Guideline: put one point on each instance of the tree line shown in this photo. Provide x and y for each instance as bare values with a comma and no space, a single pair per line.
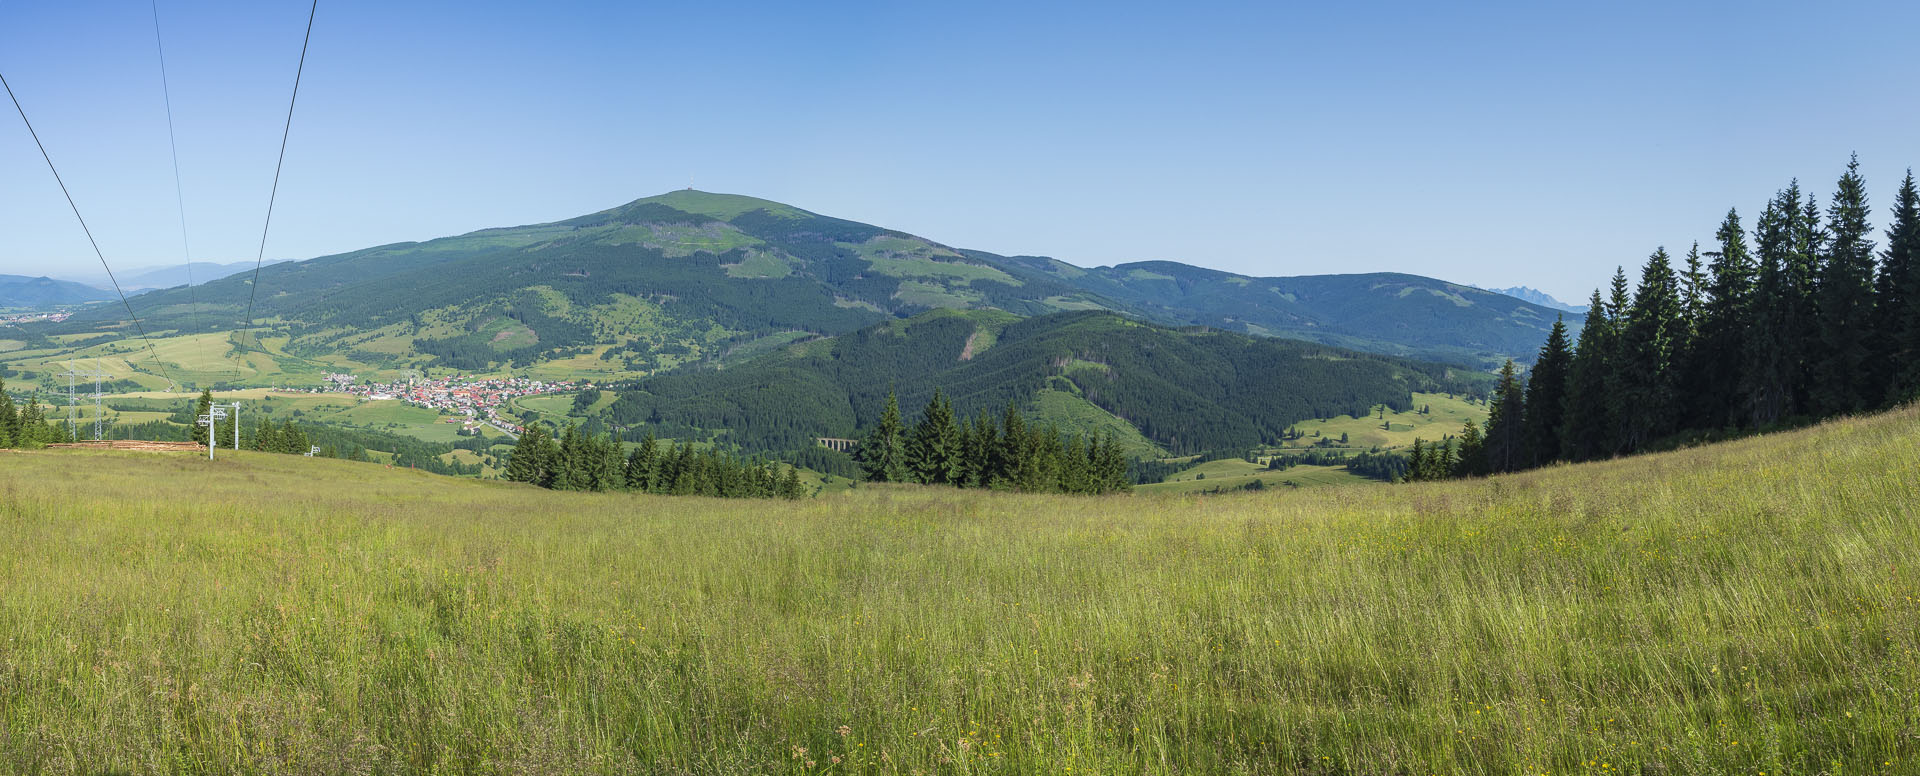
1011,454
28,426
1807,321
596,462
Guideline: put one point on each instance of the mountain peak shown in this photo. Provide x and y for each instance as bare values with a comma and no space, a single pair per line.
714,205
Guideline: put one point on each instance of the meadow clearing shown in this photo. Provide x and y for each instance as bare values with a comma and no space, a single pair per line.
1745,608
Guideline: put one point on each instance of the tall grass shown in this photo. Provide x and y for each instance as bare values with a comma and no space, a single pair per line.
1745,608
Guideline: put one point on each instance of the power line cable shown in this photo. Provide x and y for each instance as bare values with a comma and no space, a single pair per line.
179,195
275,193
151,353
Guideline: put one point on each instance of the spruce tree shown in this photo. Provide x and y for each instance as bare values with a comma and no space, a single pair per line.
1587,428
1845,302
641,463
1899,304
1769,377
202,408
883,454
1718,360
790,487
1506,436
9,417
1473,452
933,449
529,460
1417,461
978,452
1650,340
1546,400
1809,241
1618,382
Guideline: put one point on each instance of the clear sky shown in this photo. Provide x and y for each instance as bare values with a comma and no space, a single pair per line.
1525,143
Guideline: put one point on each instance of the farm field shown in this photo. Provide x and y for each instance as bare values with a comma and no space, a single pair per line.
1752,606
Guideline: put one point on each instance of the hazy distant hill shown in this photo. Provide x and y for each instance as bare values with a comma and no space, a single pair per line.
1541,298
29,292
691,276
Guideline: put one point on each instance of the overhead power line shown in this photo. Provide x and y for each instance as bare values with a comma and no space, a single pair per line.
284,132
179,194
142,329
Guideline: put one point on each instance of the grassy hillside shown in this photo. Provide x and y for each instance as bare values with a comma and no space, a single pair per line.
1738,609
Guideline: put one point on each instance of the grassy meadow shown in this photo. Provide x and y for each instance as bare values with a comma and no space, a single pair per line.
1747,608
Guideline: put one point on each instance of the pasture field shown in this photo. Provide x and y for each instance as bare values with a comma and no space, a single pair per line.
1447,415
1743,608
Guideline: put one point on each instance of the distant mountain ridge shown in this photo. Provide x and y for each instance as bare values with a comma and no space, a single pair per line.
37,292
1541,298
169,276
696,277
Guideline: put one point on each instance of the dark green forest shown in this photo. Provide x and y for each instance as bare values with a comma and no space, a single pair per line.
1804,317
1188,390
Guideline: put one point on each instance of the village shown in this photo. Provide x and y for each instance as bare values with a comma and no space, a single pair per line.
33,317
473,401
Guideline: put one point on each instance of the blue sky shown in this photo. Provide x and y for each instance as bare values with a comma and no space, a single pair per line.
1526,143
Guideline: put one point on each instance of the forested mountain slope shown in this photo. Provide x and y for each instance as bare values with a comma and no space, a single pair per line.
1185,390
1382,312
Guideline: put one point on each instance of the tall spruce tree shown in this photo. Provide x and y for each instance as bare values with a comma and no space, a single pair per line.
1650,341
532,456
1718,359
1842,363
1620,408
934,452
1588,426
883,454
1546,402
1899,304
1809,245
1506,436
1769,377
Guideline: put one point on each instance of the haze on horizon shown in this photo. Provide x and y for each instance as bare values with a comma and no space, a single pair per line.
1505,144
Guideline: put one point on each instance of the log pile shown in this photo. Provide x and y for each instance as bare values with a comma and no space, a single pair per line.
137,445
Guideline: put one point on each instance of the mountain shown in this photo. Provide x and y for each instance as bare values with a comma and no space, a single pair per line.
695,277
1390,313
1180,390
20,291
178,275
1541,298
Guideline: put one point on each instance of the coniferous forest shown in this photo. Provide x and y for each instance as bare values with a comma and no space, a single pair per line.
1804,317
1010,453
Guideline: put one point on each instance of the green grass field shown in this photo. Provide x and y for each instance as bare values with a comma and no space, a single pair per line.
1447,415
1747,608
1231,473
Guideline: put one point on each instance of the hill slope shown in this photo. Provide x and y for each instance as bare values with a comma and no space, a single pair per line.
1185,390
1731,609
20,291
